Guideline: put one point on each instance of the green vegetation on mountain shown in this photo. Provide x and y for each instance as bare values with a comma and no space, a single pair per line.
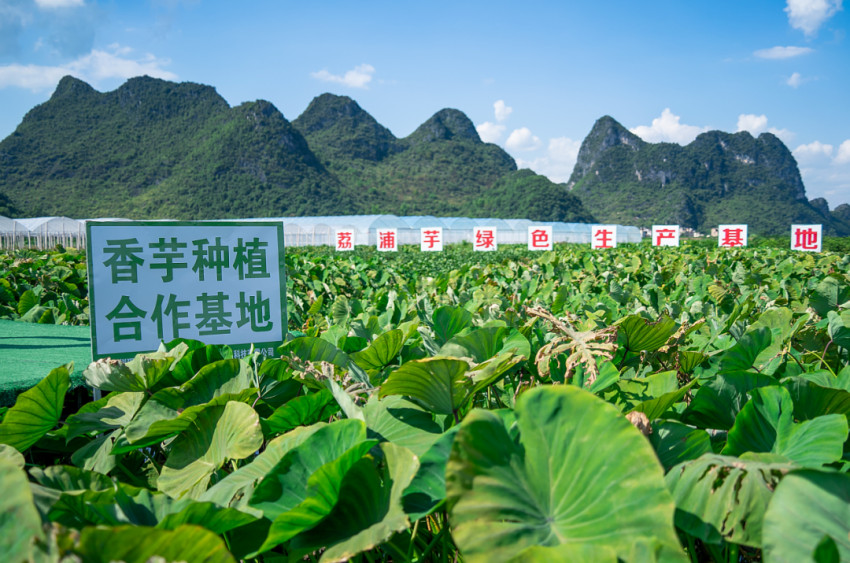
153,149
157,149
718,178
442,168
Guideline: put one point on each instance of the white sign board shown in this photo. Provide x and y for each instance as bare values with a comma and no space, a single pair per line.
807,238
603,236
665,235
387,240
730,236
154,281
431,239
484,238
539,238
344,240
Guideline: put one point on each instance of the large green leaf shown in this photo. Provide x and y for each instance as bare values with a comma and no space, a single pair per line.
813,399
724,498
20,524
117,412
754,349
402,422
304,485
139,374
312,349
807,506
719,401
237,487
766,424
27,301
301,411
449,321
440,383
382,352
369,510
218,433
428,488
553,487
828,295
37,410
675,442
482,344
139,544
171,410
643,335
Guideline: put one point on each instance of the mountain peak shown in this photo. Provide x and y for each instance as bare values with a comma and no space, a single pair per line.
606,133
71,86
341,127
447,124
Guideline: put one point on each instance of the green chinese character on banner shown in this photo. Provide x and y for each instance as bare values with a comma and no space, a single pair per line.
171,309
169,264
124,263
215,256
213,316
127,330
255,310
253,256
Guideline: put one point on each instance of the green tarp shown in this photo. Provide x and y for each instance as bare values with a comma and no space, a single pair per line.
29,351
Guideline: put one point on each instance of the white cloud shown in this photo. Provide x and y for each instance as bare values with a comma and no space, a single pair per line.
358,77
522,140
783,52
56,4
813,152
558,162
502,111
825,171
668,128
757,124
809,15
794,80
843,156
31,77
95,66
490,132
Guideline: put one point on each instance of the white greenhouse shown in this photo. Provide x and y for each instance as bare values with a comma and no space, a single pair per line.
46,232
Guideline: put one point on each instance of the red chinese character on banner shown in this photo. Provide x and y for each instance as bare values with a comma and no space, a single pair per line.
807,237
343,240
484,238
539,238
430,238
386,240
603,238
662,234
732,237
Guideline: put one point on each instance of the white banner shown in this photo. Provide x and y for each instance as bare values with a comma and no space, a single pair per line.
431,239
807,238
665,235
539,238
484,238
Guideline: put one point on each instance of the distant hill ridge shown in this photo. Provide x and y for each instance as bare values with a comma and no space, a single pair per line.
718,178
156,149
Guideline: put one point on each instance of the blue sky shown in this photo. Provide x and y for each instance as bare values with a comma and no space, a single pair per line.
533,76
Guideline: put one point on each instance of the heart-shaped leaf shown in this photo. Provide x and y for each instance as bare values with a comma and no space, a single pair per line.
766,424
553,485
37,410
808,506
218,433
